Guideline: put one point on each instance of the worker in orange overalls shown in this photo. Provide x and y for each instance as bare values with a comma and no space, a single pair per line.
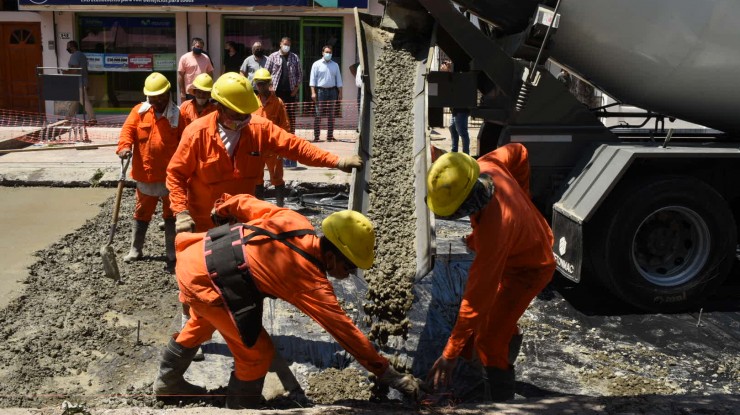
201,105
151,134
274,110
513,258
279,255
225,152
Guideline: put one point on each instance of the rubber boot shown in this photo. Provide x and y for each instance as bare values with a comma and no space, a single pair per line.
515,344
280,195
501,383
138,235
199,356
169,239
259,192
175,361
244,394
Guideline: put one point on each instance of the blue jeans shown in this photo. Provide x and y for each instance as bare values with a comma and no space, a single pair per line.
459,129
326,102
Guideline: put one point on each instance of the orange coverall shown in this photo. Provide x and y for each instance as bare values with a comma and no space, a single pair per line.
188,113
513,261
274,110
277,271
153,142
201,169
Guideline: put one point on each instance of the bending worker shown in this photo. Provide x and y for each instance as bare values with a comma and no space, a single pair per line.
225,152
151,133
201,105
513,257
274,110
279,255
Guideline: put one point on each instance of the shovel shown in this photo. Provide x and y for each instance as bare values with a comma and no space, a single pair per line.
106,251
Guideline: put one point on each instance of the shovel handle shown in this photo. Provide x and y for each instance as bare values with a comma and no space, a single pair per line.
119,192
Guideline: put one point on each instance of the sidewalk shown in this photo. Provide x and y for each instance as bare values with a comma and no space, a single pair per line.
101,167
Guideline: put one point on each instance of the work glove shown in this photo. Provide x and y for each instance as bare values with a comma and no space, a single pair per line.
406,384
124,154
184,222
346,164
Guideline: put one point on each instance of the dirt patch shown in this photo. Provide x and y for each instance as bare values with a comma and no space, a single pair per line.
333,385
391,207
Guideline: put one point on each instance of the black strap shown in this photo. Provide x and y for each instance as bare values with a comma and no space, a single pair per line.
282,238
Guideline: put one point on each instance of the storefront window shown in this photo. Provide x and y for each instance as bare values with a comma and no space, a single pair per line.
122,51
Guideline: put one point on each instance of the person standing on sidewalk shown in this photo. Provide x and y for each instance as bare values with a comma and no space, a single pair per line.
232,58
274,110
287,76
459,121
150,135
326,92
78,65
278,254
191,65
255,61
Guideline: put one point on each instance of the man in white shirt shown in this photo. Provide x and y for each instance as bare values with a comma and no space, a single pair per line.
326,92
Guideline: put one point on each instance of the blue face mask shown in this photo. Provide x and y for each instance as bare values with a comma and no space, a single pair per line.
327,57
197,51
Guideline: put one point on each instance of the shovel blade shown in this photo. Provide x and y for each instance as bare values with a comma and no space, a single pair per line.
110,266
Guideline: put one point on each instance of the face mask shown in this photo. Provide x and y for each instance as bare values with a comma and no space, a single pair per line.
201,101
69,50
236,125
197,51
258,53
285,48
327,57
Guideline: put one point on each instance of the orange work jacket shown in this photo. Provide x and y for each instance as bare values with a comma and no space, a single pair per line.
188,113
201,169
278,271
273,109
510,238
153,142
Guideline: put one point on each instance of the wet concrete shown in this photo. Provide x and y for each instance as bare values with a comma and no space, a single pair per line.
32,219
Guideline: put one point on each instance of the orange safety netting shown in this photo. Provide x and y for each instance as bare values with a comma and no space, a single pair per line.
39,128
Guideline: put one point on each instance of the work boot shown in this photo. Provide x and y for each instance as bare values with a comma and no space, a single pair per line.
175,361
244,394
137,241
501,383
259,192
280,195
169,239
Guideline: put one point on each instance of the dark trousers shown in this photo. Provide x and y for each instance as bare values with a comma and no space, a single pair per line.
290,106
326,103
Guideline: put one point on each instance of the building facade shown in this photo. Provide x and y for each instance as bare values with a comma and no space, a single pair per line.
125,40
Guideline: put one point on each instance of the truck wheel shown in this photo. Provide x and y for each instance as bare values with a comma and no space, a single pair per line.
666,244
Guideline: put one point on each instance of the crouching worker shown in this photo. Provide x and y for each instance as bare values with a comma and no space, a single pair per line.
278,254
513,258
151,134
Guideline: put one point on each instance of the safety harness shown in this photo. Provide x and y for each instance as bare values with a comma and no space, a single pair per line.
231,277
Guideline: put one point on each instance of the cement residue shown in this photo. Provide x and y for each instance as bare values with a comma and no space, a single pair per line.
391,205
333,385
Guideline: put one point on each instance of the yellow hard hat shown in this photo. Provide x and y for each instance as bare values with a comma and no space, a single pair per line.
204,82
449,182
262,74
156,84
353,234
236,93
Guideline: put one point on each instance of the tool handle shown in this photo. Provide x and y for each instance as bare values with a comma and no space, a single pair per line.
117,204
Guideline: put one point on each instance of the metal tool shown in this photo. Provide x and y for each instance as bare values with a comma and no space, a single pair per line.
107,254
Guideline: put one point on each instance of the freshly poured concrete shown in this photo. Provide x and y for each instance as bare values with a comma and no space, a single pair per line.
33,218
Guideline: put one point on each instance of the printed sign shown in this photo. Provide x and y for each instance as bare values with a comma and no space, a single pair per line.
95,61
165,62
140,61
115,61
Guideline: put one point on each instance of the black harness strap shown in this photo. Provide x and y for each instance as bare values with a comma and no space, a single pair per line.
230,274
282,238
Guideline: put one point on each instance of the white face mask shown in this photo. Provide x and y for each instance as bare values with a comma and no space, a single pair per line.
201,101
285,48
236,125
327,57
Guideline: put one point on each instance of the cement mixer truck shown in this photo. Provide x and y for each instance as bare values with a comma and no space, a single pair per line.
649,213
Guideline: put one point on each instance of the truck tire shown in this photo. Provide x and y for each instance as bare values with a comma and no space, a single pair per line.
664,244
